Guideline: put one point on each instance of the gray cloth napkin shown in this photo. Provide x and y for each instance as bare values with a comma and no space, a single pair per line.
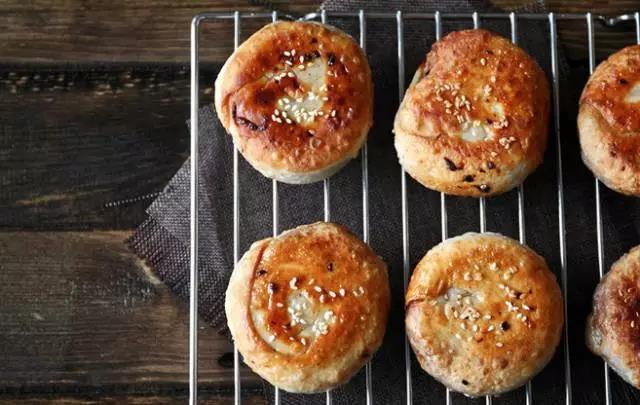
163,239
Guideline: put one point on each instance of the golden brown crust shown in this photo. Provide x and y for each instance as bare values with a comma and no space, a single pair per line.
609,121
484,313
613,328
308,308
474,120
318,82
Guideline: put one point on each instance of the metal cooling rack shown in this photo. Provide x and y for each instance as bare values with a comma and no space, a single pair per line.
399,17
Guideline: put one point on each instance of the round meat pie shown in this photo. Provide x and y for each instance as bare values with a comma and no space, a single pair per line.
308,308
297,99
474,119
609,121
483,313
613,328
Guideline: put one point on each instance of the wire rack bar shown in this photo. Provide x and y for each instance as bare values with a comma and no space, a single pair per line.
482,201
599,233
276,217
522,236
609,21
400,17
193,220
405,207
364,157
553,42
236,225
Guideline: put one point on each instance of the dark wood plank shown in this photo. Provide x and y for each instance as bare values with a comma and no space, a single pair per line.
81,314
89,149
118,31
158,31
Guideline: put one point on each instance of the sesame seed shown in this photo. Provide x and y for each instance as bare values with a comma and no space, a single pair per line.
332,294
288,121
333,113
499,344
279,304
290,74
483,61
272,338
458,336
301,67
467,276
490,328
293,282
293,52
288,62
322,298
317,288
303,341
286,53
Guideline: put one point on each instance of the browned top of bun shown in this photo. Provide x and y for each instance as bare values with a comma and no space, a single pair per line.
484,313
315,67
309,307
615,321
608,89
479,105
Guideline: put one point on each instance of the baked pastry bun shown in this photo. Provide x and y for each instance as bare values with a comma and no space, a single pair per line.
609,121
474,120
297,99
308,308
613,328
483,313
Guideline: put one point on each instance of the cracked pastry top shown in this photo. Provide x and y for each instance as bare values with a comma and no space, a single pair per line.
308,308
297,99
609,121
483,313
474,120
613,328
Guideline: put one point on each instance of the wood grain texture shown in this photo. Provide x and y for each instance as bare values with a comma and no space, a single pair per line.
119,31
157,31
90,149
80,313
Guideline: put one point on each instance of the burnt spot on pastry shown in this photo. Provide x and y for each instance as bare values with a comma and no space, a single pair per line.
504,326
310,134
331,60
468,178
242,121
261,272
483,188
265,97
450,165
314,40
623,81
491,165
465,382
330,267
272,288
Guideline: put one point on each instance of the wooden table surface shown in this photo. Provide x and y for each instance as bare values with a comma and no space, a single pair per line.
94,98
